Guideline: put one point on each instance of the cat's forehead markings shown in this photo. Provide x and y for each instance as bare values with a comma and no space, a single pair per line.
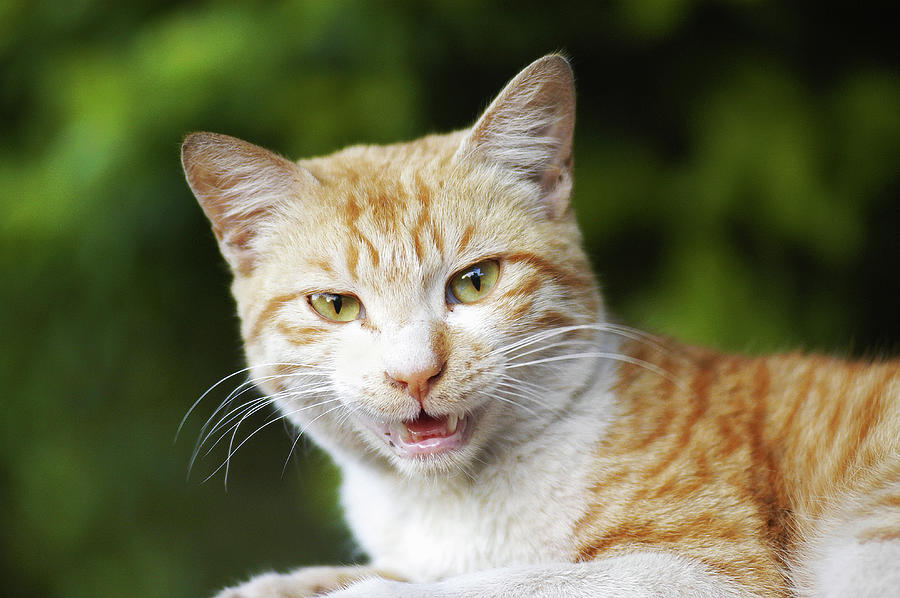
465,238
351,211
384,206
423,193
372,251
352,258
384,225
323,264
423,219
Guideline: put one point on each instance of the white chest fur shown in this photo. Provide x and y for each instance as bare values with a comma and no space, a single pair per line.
520,510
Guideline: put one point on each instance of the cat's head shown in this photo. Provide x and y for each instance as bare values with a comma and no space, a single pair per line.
405,303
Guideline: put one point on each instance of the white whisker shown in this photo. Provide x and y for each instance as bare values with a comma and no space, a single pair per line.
226,419
496,395
604,355
232,375
536,338
301,432
233,449
617,329
523,393
262,403
567,343
537,388
249,408
346,415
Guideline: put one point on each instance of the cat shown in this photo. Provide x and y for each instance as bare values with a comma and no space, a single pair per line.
426,313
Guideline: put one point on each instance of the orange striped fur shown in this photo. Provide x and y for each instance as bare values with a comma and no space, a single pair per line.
739,461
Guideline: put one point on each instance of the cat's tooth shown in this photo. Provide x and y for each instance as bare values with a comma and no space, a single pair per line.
402,432
452,422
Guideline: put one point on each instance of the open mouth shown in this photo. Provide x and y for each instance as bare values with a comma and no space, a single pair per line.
426,434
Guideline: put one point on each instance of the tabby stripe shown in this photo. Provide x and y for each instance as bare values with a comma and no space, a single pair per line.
576,281
668,389
757,571
628,373
438,240
702,528
868,412
520,310
373,252
732,438
812,457
324,266
835,421
417,246
526,288
731,430
700,390
766,475
661,429
423,193
800,398
417,230
352,210
679,488
891,500
762,461
465,239
670,414
879,534
384,209
298,335
352,260
552,319
273,305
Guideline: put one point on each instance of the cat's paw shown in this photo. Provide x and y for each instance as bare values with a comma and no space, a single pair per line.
309,581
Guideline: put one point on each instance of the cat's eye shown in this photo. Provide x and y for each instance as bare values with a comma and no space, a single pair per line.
473,283
336,307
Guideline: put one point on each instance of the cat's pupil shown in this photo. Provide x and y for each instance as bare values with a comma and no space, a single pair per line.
336,302
475,278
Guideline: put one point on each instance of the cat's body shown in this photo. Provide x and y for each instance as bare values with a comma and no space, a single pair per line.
425,312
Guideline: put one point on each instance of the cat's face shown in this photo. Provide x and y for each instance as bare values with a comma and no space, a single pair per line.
386,293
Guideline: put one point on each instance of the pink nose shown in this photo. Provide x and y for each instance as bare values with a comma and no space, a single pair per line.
418,383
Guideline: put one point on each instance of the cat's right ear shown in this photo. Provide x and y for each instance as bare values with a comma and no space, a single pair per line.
238,185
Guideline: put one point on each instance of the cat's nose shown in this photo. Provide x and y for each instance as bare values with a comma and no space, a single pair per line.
417,383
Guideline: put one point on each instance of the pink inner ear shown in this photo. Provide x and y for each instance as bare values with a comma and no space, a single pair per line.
556,185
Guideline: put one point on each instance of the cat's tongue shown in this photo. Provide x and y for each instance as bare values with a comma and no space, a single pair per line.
425,426
427,435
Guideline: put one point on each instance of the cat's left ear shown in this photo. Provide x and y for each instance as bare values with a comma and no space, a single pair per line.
528,129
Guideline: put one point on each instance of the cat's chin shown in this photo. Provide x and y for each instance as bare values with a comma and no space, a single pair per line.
426,435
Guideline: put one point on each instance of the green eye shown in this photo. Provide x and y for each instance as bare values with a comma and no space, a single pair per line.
335,307
473,283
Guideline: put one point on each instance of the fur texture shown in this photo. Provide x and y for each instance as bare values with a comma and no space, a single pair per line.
592,459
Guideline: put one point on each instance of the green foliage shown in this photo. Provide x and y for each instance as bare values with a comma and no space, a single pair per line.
737,179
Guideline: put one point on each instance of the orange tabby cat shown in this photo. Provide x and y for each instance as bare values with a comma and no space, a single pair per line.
426,313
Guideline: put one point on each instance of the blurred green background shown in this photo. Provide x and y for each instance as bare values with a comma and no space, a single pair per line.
736,174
